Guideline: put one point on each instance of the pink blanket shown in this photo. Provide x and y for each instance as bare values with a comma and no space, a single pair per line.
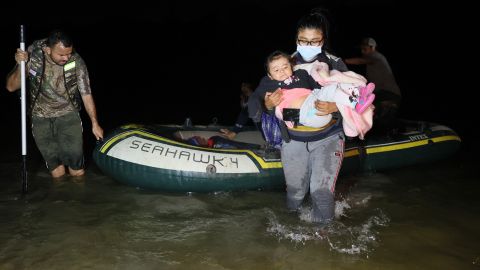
354,124
289,95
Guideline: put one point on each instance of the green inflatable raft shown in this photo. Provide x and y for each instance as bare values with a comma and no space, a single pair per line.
158,157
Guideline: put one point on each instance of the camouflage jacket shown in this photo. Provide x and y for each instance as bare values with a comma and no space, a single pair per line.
47,97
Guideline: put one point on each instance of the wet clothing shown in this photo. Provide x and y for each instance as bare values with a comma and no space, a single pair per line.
312,160
313,166
60,140
55,99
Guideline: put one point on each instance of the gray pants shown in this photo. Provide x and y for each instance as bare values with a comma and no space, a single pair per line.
313,166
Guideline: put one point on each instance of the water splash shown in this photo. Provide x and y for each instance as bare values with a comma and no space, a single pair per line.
359,239
340,208
294,233
342,238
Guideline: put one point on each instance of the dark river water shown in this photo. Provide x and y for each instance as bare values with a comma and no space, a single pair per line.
419,217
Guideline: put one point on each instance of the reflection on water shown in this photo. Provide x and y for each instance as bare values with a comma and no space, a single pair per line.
423,217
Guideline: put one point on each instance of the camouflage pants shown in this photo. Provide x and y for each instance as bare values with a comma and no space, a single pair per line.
60,140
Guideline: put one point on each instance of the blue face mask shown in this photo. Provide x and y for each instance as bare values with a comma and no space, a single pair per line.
309,52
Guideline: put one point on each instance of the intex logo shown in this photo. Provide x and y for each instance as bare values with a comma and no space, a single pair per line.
418,137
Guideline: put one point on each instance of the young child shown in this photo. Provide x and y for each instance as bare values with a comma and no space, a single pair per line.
300,91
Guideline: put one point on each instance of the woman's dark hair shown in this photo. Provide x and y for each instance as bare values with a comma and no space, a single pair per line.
316,19
274,56
57,36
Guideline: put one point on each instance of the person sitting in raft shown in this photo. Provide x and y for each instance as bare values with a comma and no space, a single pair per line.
243,119
301,90
199,141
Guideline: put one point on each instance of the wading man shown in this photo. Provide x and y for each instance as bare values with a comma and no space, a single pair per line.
58,82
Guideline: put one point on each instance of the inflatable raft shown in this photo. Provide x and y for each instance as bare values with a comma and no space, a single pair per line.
158,157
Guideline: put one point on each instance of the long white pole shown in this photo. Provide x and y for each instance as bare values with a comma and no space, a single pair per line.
23,106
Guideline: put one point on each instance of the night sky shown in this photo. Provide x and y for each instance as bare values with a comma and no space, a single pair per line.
161,64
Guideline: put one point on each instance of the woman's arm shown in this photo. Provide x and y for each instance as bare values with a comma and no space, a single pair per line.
273,99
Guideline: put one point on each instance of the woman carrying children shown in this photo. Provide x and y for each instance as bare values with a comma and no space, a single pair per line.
311,157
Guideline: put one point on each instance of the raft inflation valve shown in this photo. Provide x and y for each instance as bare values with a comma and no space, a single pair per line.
211,168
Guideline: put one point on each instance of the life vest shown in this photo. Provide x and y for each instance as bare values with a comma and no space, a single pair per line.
275,131
37,69
309,134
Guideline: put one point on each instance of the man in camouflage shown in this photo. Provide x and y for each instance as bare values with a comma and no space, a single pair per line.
58,83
